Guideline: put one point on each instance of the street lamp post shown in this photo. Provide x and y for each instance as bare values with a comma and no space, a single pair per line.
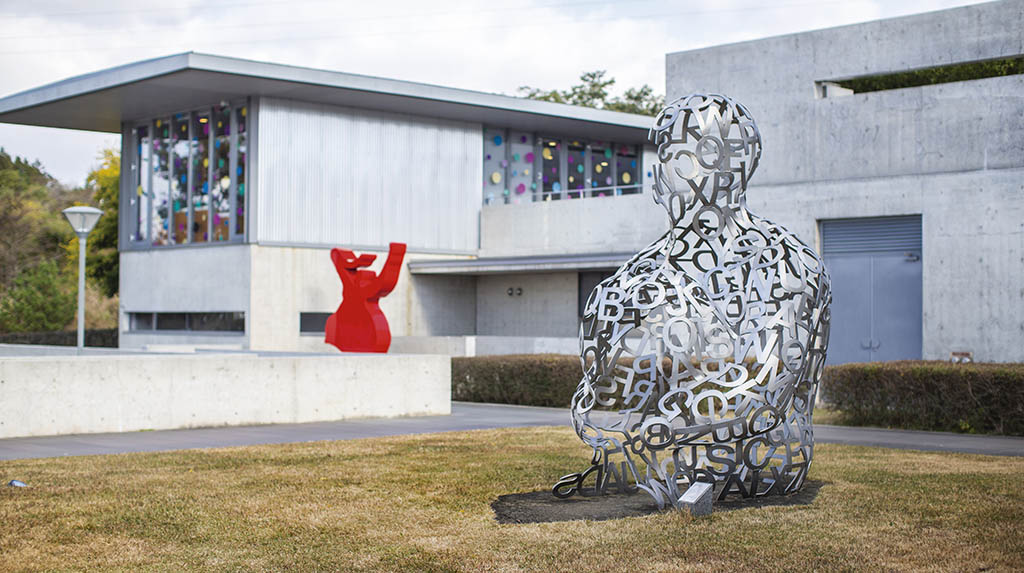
82,220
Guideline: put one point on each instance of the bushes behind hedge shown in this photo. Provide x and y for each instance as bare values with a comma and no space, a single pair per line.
982,398
525,379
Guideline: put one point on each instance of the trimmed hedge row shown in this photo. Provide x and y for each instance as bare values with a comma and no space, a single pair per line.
525,379
982,398
103,338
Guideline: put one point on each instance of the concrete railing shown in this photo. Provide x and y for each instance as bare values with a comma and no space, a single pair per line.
48,395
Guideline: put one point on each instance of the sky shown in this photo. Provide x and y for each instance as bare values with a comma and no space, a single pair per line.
493,46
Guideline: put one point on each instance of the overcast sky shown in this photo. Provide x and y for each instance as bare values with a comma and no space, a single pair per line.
493,46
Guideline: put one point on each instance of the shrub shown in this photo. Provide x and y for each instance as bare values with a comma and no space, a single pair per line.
40,299
101,338
525,379
983,398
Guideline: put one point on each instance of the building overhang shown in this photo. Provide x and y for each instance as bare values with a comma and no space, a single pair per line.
102,100
510,265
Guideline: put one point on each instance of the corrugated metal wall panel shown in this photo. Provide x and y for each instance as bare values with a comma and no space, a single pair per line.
339,176
871,235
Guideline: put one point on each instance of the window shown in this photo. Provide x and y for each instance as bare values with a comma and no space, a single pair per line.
190,171
313,322
961,72
522,168
187,321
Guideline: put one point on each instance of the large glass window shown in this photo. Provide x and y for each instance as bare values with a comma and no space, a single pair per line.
190,177
521,167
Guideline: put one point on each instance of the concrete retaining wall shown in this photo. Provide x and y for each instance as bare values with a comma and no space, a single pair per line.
86,394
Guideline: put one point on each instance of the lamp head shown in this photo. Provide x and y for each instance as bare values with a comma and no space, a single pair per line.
82,218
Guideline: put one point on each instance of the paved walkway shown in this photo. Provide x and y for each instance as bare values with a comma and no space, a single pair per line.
465,416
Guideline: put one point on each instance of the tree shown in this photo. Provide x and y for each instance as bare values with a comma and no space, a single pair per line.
31,226
102,260
593,92
41,299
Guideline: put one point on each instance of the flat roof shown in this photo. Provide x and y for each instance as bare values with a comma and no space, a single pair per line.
500,265
101,100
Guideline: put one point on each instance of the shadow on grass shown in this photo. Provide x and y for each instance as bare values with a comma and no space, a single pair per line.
543,507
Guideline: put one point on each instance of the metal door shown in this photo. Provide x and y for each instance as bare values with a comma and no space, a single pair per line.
875,265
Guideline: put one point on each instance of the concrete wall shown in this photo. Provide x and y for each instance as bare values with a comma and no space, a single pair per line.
290,280
331,175
953,153
484,345
953,127
186,279
547,306
973,248
73,395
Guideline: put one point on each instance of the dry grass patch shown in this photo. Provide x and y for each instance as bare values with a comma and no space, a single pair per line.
423,503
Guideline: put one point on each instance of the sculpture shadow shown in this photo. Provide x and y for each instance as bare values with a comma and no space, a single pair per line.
543,507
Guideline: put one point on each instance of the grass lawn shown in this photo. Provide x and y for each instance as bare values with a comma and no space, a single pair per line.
423,503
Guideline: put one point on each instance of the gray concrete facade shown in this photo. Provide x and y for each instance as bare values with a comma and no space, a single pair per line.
952,153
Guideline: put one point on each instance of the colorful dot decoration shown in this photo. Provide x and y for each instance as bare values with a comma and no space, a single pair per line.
522,139
515,157
529,157
497,140
520,189
598,168
579,168
556,186
546,154
496,177
626,177
608,153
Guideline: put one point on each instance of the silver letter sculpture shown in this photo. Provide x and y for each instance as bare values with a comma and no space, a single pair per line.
702,354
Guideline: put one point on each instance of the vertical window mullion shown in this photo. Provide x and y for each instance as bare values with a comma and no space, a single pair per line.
189,219
149,185
212,159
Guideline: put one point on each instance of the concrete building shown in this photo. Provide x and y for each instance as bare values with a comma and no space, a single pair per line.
915,196
240,176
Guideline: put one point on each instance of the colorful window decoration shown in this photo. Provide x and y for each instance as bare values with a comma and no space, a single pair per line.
220,179
142,195
191,176
201,135
522,167
627,168
161,182
242,147
180,143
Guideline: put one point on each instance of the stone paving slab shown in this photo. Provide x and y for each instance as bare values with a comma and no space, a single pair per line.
465,416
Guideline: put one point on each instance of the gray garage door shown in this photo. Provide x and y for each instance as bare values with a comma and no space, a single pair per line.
875,264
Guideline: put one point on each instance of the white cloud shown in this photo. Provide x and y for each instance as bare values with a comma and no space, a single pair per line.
488,46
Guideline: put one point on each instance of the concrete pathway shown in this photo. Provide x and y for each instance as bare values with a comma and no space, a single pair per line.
465,416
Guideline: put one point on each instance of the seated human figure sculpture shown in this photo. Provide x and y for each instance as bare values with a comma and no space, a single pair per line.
702,354
359,325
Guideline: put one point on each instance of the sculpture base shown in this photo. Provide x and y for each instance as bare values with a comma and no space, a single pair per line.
542,507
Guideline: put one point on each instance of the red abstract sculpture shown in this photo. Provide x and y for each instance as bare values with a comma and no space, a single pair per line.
359,325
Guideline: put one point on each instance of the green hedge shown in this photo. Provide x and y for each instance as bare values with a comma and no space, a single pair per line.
526,379
982,398
103,338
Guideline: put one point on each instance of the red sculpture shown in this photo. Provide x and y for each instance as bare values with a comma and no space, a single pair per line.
359,325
